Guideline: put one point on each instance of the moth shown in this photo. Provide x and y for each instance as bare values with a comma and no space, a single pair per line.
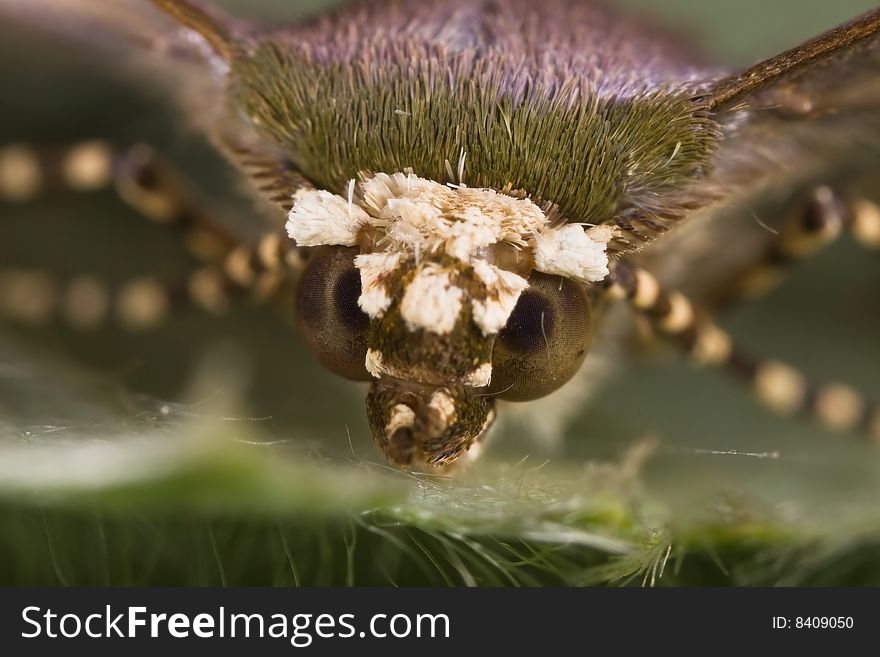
467,193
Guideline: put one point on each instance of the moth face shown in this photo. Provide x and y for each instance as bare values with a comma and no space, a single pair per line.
446,298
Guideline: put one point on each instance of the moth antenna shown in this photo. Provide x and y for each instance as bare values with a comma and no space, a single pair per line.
264,266
86,302
143,180
211,26
778,386
153,188
817,223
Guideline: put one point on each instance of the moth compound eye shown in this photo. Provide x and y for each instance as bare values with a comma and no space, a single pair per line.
328,314
544,341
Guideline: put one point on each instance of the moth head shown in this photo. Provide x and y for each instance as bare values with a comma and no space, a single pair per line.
446,299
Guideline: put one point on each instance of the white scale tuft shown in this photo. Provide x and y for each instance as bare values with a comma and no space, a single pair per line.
444,406
402,417
319,217
573,252
431,302
374,299
422,217
504,288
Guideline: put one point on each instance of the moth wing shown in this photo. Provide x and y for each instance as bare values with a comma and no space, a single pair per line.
183,47
804,113
136,38
128,30
807,117
825,66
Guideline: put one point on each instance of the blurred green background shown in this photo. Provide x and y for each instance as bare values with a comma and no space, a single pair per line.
215,451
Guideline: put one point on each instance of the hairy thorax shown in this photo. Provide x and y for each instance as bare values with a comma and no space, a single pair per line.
579,150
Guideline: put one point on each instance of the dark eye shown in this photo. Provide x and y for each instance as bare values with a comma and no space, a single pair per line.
545,340
328,314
